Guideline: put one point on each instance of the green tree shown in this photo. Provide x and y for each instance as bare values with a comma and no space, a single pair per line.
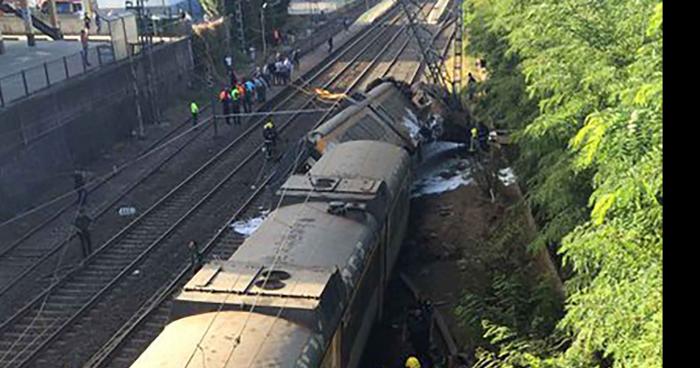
590,155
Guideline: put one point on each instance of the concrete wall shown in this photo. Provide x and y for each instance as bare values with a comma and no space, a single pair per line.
67,125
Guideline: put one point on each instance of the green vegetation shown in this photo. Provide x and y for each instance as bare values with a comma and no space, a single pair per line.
580,83
275,17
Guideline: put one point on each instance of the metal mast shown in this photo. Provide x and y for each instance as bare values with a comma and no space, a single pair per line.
457,66
238,14
431,57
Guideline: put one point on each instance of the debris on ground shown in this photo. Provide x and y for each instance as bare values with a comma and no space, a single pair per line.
248,226
454,244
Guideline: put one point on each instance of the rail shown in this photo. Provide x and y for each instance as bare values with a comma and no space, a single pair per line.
149,309
61,324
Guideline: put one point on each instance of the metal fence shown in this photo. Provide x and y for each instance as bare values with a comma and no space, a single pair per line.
37,78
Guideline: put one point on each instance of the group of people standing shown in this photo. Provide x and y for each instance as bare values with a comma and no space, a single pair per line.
240,96
279,71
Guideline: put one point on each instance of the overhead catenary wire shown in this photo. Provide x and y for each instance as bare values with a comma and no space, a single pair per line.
60,197
237,339
43,303
223,303
152,151
266,113
276,258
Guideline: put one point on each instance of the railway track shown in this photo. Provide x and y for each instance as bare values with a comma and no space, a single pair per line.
26,254
134,336
79,301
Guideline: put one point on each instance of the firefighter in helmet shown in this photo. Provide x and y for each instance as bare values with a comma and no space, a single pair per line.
270,136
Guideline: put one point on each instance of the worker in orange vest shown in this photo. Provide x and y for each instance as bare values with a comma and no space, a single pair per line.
225,99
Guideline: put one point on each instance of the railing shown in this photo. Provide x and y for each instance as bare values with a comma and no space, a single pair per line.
31,80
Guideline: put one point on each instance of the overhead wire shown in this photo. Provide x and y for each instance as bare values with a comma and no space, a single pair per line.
222,304
43,303
149,153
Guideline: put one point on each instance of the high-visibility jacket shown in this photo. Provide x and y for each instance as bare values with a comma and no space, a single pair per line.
269,131
474,133
241,90
194,108
412,362
235,94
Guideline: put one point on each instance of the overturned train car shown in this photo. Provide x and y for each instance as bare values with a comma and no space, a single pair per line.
305,288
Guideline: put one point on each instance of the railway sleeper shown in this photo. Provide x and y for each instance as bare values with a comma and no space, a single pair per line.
132,242
107,266
96,274
115,255
23,335
67,300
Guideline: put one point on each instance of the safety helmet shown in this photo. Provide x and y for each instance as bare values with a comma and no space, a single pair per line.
412,362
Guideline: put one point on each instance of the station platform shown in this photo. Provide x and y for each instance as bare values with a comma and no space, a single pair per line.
437,11
309,7
313,58
19,57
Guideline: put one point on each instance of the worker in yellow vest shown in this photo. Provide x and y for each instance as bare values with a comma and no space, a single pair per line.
270,137
194,109
474,138
236,104
412,362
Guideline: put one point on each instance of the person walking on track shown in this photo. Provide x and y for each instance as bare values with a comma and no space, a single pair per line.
270,137
79,186
82,224
194,109
195,256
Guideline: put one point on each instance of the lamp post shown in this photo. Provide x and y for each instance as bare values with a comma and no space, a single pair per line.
262,26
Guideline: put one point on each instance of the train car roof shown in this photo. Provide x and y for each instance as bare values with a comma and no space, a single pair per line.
321,254
305,235
386,114
179,343
365,160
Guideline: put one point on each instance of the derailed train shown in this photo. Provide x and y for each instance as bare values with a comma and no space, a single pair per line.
305,288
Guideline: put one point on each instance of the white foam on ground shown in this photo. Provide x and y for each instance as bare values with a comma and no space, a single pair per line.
247,227
433,148
410,121
432,182
507,176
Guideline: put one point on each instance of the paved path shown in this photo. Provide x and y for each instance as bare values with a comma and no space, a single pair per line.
314,57
19,56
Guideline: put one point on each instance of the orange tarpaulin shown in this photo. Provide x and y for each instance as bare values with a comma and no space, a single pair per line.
327,95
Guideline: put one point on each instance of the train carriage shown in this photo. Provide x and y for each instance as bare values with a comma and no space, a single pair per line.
315,272
387,114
